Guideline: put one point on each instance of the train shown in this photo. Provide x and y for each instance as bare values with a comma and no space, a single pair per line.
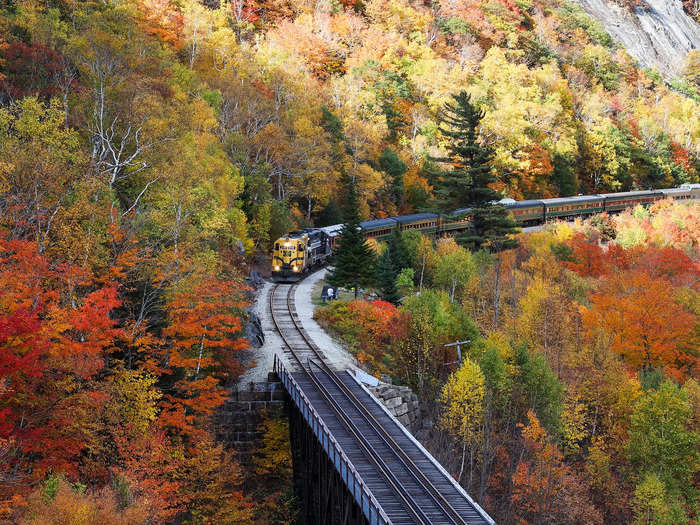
300,251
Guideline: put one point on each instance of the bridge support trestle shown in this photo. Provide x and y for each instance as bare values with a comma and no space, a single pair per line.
321,491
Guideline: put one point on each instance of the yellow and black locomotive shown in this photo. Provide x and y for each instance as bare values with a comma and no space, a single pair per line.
296,253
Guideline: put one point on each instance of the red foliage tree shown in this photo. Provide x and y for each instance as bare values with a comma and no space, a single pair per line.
587,256
50,351
30,70
376,320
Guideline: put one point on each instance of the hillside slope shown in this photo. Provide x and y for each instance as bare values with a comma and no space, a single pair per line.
658,33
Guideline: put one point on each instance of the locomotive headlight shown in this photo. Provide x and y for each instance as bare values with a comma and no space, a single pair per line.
275,268
295,268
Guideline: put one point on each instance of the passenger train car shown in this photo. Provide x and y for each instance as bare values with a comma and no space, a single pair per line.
299,251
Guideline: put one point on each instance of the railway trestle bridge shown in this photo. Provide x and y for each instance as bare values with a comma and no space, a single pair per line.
353,462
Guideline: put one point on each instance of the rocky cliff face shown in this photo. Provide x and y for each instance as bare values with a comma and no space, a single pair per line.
658,33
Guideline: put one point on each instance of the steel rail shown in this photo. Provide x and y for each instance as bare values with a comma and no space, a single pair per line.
352,428
400,454
409,501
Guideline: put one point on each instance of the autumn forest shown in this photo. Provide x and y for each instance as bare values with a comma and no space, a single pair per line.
152,150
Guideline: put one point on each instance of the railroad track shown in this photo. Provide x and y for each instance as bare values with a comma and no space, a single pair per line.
418,491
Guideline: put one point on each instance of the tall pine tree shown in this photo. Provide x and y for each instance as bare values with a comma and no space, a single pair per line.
466,182
354,260
392,165
394,259
398,251
386,278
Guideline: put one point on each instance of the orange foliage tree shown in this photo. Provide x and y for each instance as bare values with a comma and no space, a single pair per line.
537,478
545,491
643,322
204,330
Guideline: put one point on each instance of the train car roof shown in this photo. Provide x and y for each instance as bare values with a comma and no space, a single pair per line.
332,230
690,186
460,211
575,198
524,204
630,193
403,219
674,190
388,222
296,234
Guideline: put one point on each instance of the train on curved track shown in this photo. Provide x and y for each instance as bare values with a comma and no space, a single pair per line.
299,251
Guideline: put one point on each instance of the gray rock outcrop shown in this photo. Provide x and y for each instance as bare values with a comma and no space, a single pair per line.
658,33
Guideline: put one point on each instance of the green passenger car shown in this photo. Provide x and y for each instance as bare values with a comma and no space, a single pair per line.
628,199
568,207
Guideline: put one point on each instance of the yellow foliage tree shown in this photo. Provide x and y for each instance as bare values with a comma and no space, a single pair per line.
462,415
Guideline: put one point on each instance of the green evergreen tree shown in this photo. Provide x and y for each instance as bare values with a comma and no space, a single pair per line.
354,260
330,215
398,252
386,278
466,182
538,389
392,165
564,176
394,259
332,124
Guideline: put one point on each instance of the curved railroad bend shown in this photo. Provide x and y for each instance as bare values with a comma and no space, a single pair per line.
410,488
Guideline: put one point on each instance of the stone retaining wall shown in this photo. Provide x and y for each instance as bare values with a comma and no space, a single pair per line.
239,419
401,402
